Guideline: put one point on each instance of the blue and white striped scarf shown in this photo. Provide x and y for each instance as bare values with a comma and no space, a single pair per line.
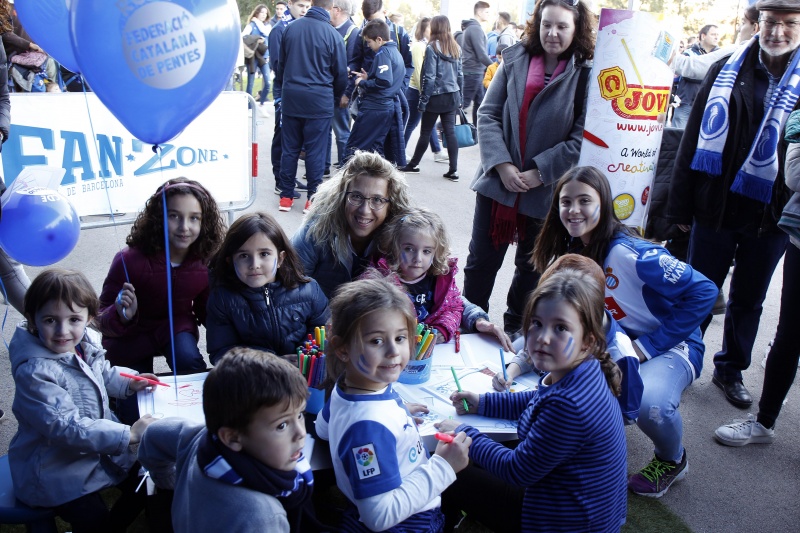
758,173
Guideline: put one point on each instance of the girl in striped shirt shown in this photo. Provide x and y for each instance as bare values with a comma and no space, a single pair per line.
568,472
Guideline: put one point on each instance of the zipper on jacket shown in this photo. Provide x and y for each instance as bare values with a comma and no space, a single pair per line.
266,295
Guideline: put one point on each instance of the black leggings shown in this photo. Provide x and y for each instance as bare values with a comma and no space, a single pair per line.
89,514
449,128
785,352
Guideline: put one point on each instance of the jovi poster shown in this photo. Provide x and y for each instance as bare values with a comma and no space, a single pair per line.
627,104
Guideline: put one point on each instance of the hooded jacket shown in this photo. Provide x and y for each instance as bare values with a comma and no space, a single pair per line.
473,47
69,443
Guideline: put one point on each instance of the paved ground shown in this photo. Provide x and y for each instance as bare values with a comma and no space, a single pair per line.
751,489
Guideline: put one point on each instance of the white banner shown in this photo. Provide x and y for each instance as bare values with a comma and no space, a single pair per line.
626,107
118,173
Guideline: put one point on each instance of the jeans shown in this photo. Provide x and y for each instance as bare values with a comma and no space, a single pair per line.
484,261
448,125
756,256
473,91
341,128
251,78
785,352
298,133
664,377
681,115
414,117
275,149
15,280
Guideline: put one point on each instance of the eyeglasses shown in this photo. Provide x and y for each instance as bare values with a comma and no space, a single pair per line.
376,203
770,24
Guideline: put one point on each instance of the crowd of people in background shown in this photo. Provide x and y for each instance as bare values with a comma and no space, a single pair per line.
371,265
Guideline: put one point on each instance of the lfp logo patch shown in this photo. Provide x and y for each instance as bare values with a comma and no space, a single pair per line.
367,461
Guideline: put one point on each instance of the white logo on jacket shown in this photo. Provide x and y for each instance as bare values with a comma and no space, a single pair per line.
382,69
673,268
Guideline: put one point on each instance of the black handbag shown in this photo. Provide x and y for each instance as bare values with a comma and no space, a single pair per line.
466,133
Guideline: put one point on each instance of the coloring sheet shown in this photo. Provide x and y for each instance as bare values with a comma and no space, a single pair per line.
473,347
183,398
435,394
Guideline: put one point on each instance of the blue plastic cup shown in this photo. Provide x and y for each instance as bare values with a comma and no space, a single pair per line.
416,372
316,400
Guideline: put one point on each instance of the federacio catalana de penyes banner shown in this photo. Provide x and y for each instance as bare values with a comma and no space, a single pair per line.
626,108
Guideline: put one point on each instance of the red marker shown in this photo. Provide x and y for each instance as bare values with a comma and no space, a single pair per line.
140,378
458,341
444,437
594,139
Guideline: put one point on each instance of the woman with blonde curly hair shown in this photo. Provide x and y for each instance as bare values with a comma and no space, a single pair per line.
337,239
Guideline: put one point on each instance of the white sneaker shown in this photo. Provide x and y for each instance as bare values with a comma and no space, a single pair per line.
441,157
744,432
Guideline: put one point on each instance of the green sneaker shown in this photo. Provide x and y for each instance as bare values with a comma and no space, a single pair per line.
655,479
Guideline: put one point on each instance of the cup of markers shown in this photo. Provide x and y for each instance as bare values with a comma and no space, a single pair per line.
312,364
418,369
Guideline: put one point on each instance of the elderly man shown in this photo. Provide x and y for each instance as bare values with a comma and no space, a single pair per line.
728,185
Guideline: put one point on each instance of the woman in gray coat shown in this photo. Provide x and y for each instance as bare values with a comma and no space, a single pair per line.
529,131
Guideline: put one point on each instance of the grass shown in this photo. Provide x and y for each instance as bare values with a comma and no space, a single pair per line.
645,515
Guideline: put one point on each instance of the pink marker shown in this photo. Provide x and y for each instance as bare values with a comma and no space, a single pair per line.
140,378
444,437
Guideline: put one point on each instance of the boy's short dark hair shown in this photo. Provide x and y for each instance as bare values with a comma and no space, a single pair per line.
480,5
505,16
375,29
282,2
370,7
69,287
324,4
244,381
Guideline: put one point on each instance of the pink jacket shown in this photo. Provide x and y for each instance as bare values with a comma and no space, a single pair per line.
447,305
148,332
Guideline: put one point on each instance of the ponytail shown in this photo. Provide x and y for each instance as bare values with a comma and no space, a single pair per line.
611,371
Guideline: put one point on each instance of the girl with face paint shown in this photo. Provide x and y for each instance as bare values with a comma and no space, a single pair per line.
568,472
259,295
415,249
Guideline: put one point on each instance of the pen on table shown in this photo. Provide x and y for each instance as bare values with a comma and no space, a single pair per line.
455,377
503,363
140,378
458,341
444,437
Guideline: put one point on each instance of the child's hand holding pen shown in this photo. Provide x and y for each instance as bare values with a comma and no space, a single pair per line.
470,397
501,383
456,452
140,384
126,303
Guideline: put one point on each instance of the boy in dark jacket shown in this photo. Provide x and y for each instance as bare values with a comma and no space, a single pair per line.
378,115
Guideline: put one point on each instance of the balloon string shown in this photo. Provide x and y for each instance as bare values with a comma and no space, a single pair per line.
108,196
157,150
5,315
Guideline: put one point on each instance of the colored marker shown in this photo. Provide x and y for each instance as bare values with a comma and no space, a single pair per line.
444,437
140,378
458,341
503,362
458,385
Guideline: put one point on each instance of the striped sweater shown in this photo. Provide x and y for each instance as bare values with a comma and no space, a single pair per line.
571,458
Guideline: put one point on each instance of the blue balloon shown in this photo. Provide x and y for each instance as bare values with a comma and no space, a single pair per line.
47,22
39,226
156,65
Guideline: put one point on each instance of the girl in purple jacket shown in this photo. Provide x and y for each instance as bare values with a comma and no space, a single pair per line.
134,305
415,247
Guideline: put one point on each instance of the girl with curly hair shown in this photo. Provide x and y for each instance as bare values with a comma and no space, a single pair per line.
134,303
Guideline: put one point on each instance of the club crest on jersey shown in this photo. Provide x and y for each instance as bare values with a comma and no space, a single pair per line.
367,461
612,281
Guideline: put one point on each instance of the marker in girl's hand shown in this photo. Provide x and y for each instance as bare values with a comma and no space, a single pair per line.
444,437
458,385
140,378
